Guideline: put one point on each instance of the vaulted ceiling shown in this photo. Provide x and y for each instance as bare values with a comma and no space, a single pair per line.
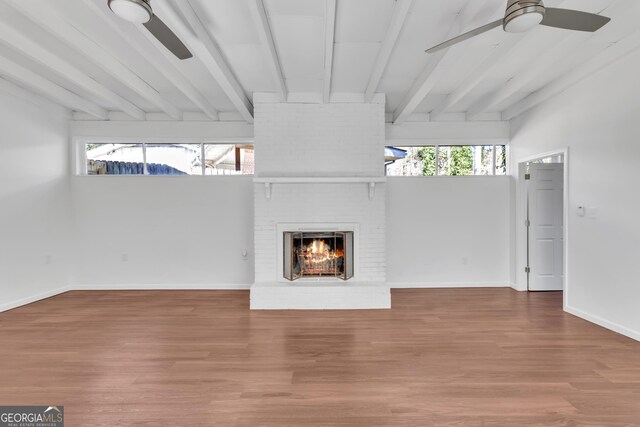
78,54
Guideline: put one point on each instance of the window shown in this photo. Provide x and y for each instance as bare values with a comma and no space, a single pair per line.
115,159
446,160
460,160
169,159
174,159
223,159
501,160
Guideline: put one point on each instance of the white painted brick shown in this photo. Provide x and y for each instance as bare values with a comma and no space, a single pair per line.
301,140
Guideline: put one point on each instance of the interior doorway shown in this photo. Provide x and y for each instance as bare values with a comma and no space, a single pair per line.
544,224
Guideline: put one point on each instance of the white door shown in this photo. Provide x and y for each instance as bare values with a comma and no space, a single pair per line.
545,199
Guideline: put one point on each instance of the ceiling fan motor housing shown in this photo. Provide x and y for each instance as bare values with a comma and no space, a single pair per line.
522,15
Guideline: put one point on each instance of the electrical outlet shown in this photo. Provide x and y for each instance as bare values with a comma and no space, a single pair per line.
465,261
125,257
47,259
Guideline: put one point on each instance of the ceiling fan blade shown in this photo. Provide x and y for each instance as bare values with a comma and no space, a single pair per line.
465,36
167,38
573,20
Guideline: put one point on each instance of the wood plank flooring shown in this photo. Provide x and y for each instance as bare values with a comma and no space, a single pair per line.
457,357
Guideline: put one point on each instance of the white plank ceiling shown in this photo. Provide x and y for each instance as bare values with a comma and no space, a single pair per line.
78,54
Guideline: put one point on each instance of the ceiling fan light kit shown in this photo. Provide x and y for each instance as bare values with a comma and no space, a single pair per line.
524,15
136,11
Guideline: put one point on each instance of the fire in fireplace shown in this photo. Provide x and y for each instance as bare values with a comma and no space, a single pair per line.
317,254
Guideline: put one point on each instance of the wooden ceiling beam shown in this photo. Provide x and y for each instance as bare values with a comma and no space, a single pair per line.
50,19
478,75
17,91
329,42
53,63
40,85
268,43
432,72
183,20
524,76
611,55
155,54
400,12
572,42
488,66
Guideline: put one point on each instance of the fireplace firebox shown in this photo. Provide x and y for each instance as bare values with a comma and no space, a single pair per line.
318,254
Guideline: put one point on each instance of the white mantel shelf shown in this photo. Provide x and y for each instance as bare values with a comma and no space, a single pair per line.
371,181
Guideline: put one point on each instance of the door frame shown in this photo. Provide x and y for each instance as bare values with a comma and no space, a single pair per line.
521,216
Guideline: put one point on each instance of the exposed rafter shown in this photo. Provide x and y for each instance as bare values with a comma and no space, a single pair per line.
64,69
196,37
488,66
329,41
46,88
50,19
264,29
609,56
432,72
25,94
519,81
400,11
572,41
478,75
421,87
163,63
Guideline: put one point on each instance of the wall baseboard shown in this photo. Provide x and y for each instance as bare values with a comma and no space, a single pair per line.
435,285
24,301
152,287
615,327
518,288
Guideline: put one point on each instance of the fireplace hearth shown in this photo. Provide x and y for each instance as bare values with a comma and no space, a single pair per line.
318,254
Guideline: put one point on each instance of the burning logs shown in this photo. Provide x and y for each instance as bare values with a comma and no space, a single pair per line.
318,259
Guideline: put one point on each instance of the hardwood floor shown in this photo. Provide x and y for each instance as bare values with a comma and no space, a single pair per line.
458,357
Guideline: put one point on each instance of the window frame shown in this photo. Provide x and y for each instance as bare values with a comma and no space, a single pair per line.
79,153
436,146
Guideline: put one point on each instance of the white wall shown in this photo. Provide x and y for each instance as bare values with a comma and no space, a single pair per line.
34,201
174,232
448,231
598,120
161,231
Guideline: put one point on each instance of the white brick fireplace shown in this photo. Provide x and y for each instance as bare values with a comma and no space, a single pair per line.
320,167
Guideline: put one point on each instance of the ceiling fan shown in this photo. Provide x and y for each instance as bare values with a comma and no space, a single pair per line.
523,15
140,12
